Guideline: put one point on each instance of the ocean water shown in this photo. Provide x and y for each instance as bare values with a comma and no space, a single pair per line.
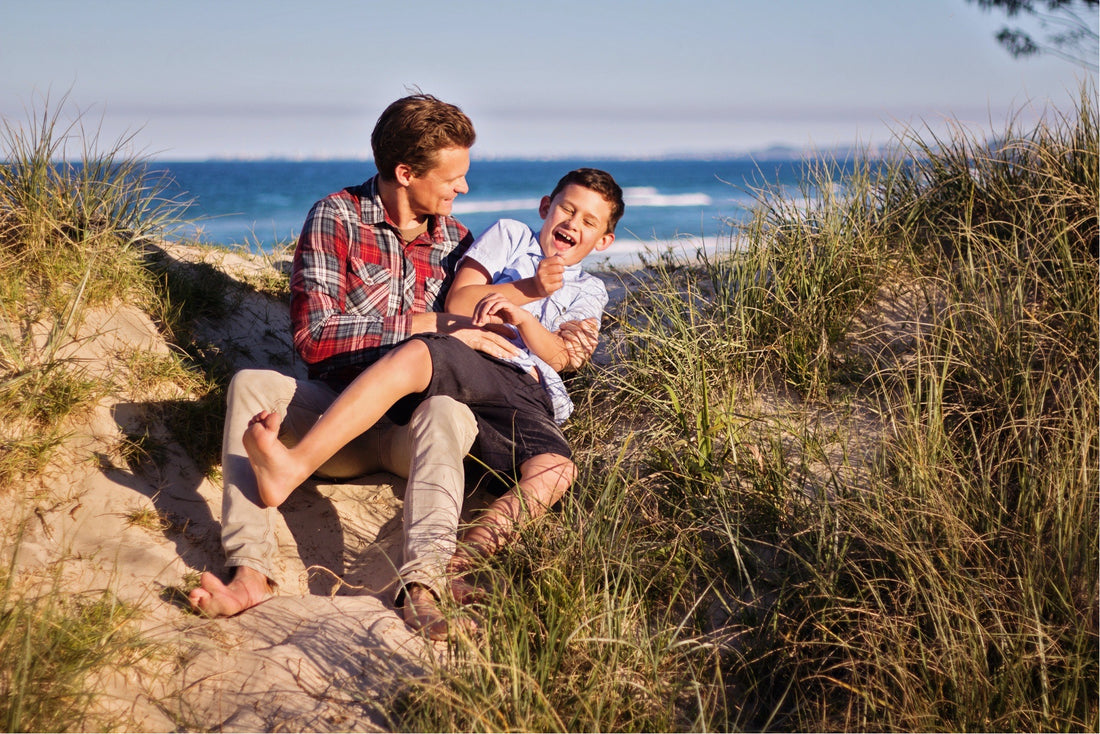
678,204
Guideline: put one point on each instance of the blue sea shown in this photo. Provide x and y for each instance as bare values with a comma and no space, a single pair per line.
679,204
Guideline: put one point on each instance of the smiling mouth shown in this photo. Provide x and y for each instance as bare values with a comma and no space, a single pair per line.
565,239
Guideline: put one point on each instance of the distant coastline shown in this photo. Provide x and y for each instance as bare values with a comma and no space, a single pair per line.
766,153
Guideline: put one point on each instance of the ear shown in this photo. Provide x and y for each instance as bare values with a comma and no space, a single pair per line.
403,173
605,242
544,207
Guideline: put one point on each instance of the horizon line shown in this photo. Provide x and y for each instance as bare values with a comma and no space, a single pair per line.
770,152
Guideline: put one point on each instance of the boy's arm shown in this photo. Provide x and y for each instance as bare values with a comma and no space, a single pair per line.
472,283
581,339
543,343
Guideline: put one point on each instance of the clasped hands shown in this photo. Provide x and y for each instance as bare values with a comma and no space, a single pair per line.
495,318
579,338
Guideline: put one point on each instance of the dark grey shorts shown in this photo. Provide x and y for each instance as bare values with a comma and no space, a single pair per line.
514,415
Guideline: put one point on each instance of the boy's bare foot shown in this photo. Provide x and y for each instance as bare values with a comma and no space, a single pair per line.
212,598
277,475
423,615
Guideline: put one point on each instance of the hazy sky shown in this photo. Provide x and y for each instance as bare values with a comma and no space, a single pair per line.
244,78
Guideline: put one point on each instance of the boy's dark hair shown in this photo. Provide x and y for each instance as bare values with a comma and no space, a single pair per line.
603,184
414,129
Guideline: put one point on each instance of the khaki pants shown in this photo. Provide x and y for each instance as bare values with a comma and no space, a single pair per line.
429,451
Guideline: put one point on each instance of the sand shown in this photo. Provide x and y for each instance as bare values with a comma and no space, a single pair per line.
318,656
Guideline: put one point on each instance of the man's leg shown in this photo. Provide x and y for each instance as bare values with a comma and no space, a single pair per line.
430,449
544,480
248,529
441,432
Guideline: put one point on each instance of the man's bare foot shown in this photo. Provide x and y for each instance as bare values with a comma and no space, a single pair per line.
423,615
212,598
463,592
277,474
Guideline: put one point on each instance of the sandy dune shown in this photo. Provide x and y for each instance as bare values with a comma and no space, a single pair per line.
312,658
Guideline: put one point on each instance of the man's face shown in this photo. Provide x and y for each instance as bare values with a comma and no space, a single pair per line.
575,223
434,192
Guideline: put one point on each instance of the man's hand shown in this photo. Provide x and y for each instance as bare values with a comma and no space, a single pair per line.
581,339
550,275
488,339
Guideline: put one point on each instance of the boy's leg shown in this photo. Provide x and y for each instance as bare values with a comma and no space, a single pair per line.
279,469
544,480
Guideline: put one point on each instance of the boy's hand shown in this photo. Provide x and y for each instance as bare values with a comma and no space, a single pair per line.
581,339
496,309
549,276
489,338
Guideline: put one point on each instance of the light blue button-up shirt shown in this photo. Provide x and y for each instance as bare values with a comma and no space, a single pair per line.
510,251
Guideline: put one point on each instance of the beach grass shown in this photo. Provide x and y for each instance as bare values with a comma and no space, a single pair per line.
841,477
75,235
72,230
55,646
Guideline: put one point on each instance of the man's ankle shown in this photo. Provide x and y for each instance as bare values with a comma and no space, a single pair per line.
251,578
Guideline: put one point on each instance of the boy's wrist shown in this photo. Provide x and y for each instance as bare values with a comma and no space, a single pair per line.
522,317
529,287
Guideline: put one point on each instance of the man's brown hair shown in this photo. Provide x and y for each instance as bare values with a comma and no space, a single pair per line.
602,183
414,129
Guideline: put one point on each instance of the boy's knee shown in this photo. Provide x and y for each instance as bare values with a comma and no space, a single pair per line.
568,477
414,352
566,474
549,476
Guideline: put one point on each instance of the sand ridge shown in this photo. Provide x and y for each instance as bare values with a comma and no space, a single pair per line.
314,657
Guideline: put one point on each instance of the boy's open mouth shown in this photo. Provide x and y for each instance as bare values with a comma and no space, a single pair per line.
564,238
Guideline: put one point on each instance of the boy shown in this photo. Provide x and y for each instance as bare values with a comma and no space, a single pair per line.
509,277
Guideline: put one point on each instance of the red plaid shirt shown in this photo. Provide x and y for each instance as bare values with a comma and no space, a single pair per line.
355,285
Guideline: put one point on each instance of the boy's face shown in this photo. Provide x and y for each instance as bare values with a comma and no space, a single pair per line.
434,192
574,224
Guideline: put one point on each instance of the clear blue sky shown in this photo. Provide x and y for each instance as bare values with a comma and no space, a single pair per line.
245,78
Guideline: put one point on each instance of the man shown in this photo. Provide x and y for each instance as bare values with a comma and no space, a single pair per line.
372,268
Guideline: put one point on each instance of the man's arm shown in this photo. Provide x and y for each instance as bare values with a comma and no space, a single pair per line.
488,338
319,286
